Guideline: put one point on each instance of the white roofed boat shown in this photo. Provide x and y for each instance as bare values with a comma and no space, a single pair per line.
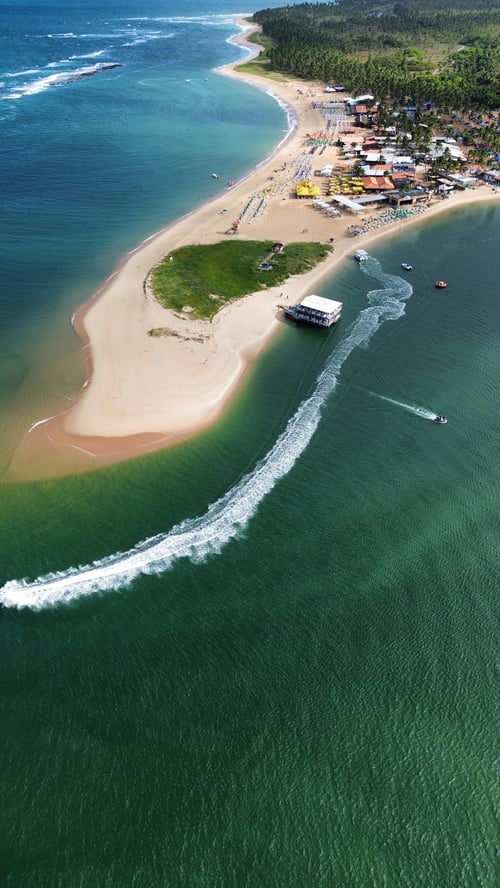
316,310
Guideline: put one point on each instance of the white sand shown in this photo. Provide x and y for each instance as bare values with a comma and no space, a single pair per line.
145,392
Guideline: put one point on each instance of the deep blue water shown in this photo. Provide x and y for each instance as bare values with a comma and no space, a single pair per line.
292,681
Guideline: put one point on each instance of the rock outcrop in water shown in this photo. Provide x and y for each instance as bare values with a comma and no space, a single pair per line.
85,72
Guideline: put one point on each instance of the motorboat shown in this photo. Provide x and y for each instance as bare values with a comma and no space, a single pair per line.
440,418
440,285
361,255
406,266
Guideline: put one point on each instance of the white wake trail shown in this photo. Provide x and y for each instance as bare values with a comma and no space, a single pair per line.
424,412
225,519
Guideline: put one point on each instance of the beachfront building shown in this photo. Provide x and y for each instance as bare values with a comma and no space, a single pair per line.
460,181
492,177
370,201
347,203
378,169
377,183
403,163
443,185
412,197
401,179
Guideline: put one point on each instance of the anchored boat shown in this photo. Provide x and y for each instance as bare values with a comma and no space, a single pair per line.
315,310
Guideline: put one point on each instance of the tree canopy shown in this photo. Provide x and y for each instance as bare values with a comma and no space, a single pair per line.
443,51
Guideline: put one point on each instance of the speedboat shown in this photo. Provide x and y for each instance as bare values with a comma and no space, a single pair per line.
439,418
440,285
406,266
361,255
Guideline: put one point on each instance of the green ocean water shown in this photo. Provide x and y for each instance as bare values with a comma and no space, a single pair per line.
308,696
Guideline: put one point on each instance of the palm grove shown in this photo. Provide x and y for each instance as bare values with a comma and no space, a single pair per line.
446,52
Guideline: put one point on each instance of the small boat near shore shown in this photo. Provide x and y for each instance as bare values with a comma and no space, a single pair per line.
361,256
440,285
406,266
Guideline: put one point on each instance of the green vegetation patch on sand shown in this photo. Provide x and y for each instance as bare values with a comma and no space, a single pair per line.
197,280
259,65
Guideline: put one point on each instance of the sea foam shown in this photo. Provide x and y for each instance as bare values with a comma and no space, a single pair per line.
60,79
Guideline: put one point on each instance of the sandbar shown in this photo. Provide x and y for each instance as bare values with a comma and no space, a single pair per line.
147,392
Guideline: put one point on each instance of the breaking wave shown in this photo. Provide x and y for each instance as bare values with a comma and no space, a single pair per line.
115,39
210,19
225,519
59,79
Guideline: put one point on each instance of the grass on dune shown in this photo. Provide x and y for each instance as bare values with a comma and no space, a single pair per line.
200,279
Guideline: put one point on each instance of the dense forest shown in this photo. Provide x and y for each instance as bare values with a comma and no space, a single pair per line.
443,51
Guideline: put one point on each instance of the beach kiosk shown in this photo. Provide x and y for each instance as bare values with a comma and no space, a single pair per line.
315,310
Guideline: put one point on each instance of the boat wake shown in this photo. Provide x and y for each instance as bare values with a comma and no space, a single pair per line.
424,412
225,519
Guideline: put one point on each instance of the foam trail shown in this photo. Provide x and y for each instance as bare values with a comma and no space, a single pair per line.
424,412
225,519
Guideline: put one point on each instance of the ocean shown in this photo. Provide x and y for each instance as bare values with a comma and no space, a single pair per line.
265,656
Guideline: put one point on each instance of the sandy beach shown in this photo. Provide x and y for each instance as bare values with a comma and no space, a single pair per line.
146,392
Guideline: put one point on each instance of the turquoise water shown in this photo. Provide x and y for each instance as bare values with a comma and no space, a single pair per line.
93,166
307,696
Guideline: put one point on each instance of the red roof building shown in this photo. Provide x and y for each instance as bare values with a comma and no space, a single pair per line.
377,183
403,177
379,169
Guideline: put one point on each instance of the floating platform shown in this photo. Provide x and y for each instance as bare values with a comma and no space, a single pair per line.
315,310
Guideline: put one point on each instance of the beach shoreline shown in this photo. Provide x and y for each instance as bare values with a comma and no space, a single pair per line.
146,392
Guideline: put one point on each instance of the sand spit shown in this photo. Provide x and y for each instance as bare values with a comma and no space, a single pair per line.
147,392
